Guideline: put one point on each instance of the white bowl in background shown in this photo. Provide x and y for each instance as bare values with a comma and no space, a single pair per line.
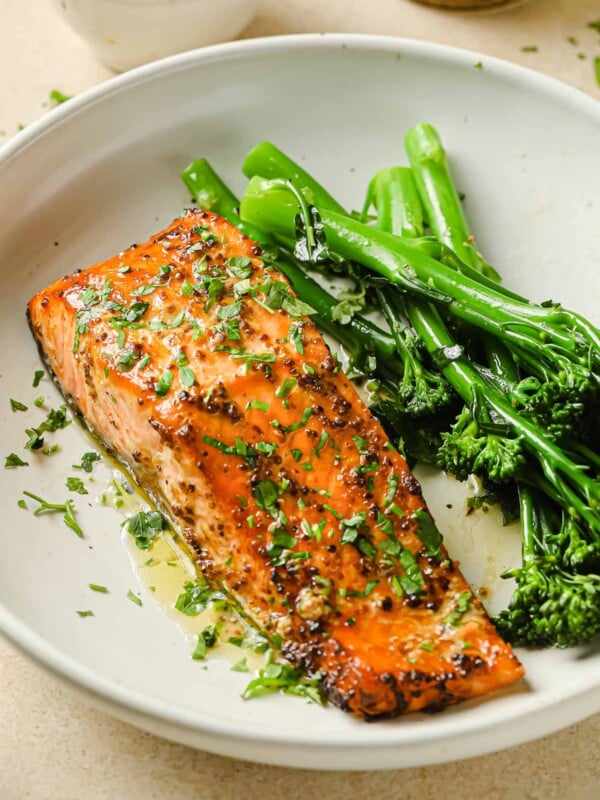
127,33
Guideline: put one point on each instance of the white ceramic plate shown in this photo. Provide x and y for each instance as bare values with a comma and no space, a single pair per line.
102,172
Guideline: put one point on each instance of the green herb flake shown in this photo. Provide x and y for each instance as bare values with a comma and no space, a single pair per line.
207,638
39,401
76,485
275,677
259,404
134,598
597,70
427,531
321,443
462,604
197,595
87,461
85,613
57,97
391,490
15,405
306,415
13,460
37,377
97,587
187,377
478,65
266,448
241,665
530,48
295,337
286,387
296,454
427,646
145,527
164,383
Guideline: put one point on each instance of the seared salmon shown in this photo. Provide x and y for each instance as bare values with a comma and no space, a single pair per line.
190,357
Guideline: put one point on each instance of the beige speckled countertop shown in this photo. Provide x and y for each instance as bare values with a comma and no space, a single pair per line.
52,745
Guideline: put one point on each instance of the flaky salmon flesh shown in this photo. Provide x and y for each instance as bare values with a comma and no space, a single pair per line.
193,361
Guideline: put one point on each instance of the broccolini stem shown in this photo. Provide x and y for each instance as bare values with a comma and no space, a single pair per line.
579,494
477,300
269,162
211,193
438,194
393,193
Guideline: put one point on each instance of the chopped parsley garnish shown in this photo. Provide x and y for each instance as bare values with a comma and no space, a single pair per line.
307,414
266,494
240,448
186,376
76,485
365,592
85,613
275,677
361,445
278,295
350,527
530,48
229,311
231,329
207,638
97,587
39,401
56,419
134,598
58,98
126,360
240,267
295,337
145,527
259,404
427,531
197,595
365,468
241,665
13,460
462,604
296,454
314,531
187,289
392,488
67,509
385,524
321,443
87,461
266,448
286,387
15,405
394,508
412,581
251,640
37,377
246,357
163,384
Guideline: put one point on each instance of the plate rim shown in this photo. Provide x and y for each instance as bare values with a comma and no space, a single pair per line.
129,704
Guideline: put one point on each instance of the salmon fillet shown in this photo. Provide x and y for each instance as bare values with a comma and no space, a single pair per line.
191,359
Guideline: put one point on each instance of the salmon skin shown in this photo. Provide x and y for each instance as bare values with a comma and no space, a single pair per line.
193,361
